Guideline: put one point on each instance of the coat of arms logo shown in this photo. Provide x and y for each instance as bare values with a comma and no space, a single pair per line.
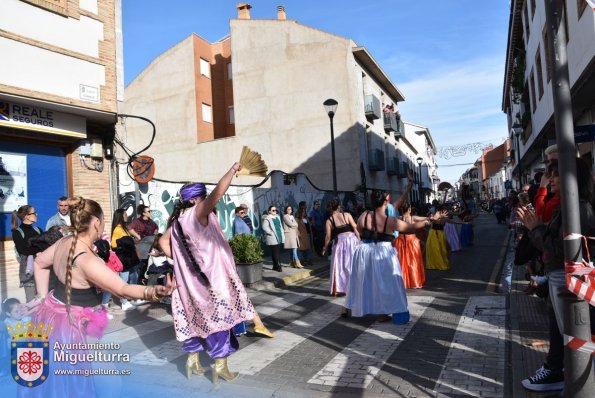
30,356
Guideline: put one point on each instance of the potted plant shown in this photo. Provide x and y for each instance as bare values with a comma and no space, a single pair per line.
247,253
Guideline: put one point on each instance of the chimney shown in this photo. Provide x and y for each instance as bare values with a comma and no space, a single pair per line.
243,10
281,13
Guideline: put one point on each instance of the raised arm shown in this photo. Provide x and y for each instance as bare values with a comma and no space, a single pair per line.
399,202
204,208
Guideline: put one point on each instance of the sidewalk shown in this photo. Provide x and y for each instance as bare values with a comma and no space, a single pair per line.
529,337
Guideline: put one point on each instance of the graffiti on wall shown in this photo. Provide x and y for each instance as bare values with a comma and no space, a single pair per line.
161,198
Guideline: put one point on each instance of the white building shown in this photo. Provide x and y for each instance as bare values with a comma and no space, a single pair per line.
527,94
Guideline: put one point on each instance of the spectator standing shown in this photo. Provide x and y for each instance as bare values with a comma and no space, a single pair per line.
20,236
246,217
274,237
317,220
239,225
303,235
290,230
62,217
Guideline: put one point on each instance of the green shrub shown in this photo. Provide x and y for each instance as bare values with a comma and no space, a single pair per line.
246,249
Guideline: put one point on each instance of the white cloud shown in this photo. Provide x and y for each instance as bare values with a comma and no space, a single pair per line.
460,103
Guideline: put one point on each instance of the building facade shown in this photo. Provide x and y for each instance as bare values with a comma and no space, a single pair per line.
274,76
527,93
60,83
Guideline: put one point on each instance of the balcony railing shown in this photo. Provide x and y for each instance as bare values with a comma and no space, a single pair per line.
390,121
376,159
372,107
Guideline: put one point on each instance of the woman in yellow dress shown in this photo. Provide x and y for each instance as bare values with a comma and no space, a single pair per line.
436,246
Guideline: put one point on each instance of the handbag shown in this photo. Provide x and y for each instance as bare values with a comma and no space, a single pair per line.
525,250
126,252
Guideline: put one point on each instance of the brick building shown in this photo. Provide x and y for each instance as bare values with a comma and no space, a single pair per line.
61,80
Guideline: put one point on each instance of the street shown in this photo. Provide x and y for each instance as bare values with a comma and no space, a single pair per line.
454,345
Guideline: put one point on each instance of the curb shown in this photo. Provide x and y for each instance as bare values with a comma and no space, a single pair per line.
289,279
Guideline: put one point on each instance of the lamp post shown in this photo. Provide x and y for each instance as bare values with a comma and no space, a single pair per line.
419,162
517,129
330,105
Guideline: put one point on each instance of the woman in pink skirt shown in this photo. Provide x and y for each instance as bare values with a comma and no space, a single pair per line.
210,298
73,309
342,230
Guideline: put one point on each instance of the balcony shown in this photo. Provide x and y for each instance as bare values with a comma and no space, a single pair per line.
390,122
392,167
376,159
372,107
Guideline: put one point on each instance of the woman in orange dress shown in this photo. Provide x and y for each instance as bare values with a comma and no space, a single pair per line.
409,252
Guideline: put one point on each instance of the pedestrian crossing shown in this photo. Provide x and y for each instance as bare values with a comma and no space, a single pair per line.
296,318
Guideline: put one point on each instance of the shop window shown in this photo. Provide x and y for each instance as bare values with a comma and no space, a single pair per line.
232,116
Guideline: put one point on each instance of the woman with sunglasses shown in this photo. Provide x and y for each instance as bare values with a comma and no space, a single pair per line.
20,236
239,225
274,236
143,225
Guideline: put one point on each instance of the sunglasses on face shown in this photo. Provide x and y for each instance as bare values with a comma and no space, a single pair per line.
273,210
241,212
31,214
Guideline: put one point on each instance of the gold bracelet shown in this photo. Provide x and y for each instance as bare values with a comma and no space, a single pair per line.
146,293
155,297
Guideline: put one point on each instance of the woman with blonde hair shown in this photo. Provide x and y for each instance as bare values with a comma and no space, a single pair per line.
73,309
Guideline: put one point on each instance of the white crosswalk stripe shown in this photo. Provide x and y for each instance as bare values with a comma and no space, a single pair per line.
472,351
359,363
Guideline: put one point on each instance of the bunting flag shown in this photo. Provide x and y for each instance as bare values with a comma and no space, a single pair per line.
591,4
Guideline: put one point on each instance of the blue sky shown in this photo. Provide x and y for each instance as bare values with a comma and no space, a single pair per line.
446,56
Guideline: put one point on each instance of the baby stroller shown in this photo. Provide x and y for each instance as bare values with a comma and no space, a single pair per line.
158,267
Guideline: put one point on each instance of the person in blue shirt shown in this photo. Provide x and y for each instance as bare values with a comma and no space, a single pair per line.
239,225
392,209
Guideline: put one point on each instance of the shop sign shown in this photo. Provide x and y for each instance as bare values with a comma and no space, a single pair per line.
29,117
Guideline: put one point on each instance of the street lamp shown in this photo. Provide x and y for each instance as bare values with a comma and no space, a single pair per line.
517,129
419,162
330,105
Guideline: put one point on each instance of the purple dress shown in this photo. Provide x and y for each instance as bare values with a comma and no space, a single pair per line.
204,314
452,237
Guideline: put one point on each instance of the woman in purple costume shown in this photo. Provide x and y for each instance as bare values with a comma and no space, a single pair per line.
210,298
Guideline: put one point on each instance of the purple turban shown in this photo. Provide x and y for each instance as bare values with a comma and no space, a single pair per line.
193,191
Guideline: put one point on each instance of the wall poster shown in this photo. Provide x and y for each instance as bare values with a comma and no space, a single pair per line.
13,181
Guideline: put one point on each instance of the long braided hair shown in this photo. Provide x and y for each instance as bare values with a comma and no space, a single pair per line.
82,212
179,207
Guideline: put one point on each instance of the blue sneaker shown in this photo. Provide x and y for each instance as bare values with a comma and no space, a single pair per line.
545,379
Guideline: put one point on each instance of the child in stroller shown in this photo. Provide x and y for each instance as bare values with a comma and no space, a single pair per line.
158,266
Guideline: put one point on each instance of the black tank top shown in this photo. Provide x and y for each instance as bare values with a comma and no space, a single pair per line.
372,235
88,297
335,231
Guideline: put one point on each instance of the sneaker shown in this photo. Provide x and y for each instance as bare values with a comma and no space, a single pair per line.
139,302
127,306
545,379
110,316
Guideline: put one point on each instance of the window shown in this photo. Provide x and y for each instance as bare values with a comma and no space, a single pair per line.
232,116
229,75
581,5
539,73
526,12
205,68
207,113
532,84
548,66
532,8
